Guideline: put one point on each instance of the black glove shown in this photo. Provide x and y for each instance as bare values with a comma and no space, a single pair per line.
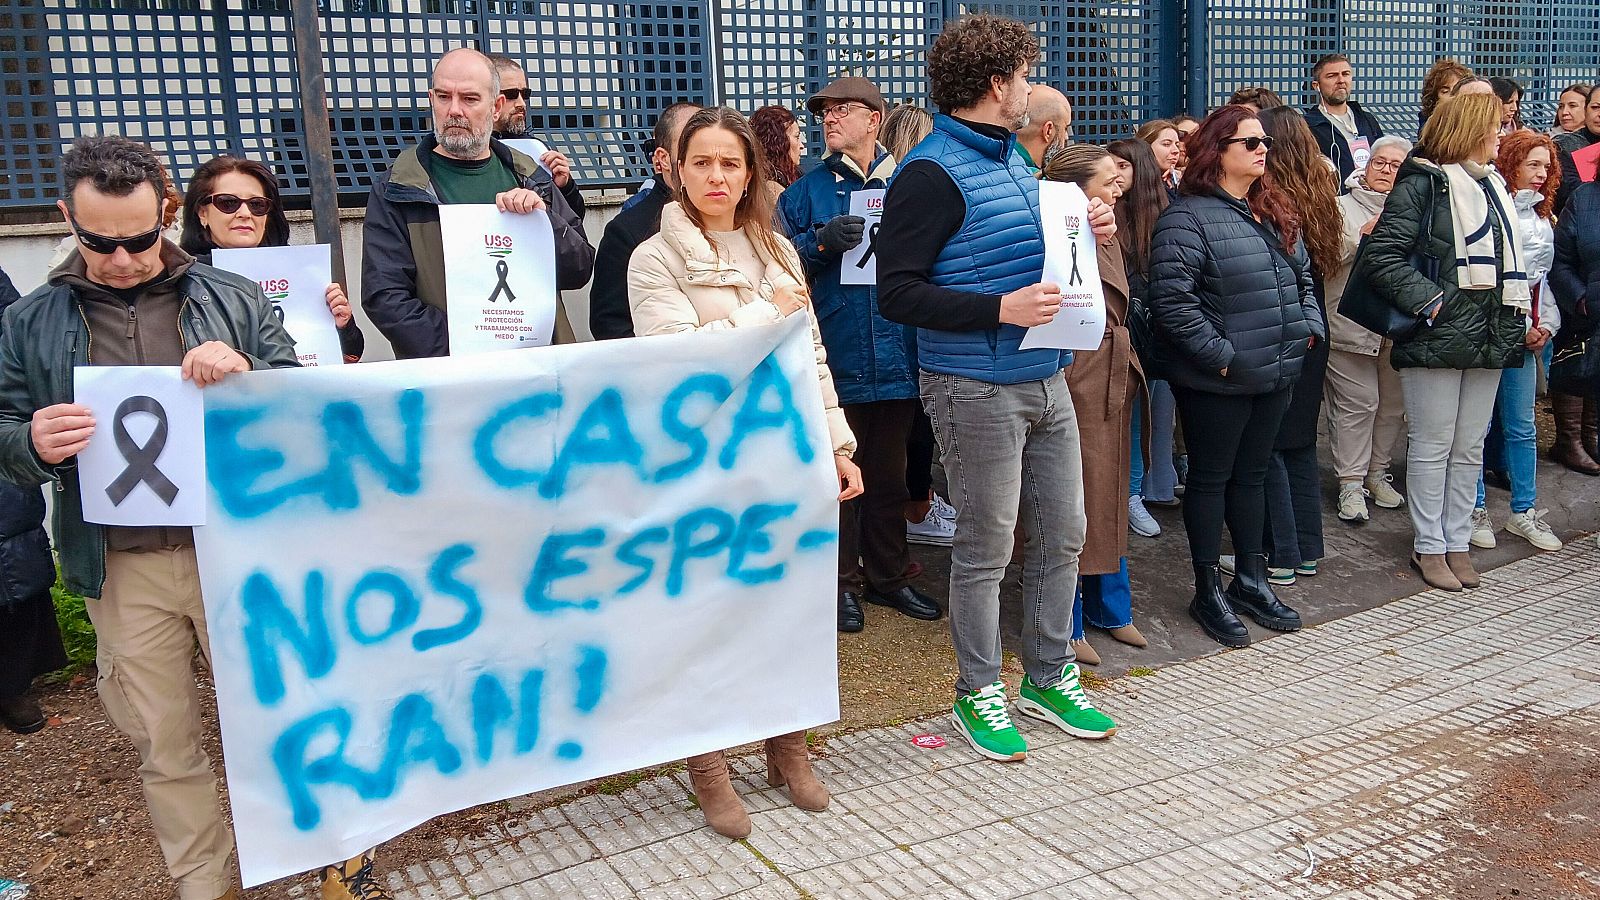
841,234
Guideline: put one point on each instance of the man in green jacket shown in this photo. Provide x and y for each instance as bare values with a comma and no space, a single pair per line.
126,296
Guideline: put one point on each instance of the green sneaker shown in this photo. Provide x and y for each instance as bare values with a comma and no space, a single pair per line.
982,719
1066,706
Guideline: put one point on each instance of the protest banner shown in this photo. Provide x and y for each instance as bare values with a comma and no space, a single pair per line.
530,146
859,265
1069,262
438,583
296,280
145,463
500,278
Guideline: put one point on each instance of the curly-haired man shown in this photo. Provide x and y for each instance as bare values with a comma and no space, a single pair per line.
963,262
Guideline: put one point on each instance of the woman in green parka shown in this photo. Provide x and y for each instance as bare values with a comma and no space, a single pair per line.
1451,206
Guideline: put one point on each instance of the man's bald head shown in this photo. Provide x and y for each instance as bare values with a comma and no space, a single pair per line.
1049,118
467,64
465,99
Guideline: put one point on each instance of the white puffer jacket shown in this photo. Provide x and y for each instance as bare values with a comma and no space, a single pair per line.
1539,246
677,282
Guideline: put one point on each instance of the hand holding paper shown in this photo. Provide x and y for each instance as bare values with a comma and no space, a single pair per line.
211,362
61,431
1033,305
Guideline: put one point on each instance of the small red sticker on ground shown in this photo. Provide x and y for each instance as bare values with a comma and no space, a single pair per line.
928,741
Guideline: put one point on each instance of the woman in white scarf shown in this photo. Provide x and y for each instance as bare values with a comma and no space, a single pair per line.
1449,248
1527,161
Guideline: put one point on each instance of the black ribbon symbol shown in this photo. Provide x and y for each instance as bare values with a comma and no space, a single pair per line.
500,271
1073,277
141,460
872,246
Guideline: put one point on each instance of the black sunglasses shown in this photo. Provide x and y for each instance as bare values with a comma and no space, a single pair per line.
105,246
228,204
1250,143
517,93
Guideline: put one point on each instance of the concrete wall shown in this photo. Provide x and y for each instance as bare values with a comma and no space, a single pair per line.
25,252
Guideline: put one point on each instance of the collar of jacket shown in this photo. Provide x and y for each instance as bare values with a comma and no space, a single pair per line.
993,147
843,167
1370,200
74,273
409,181
1027,158
701,263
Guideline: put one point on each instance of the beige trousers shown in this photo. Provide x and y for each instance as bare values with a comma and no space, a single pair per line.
148,619
1366,412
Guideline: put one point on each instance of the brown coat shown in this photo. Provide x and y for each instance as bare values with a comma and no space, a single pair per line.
1104,384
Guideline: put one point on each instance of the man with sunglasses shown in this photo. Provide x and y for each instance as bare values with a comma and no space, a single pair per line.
127,297
511,121
402,266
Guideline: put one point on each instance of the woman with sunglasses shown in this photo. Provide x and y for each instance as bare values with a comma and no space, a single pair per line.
234,203
1231,294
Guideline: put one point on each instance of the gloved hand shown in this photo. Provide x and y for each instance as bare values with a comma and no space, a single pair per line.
841,234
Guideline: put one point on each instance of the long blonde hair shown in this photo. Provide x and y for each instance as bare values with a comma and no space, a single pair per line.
755,213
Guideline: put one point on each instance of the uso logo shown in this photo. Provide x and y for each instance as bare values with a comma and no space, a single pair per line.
497,245
276,289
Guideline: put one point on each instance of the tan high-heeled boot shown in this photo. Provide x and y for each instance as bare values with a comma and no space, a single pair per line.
723,809
788,762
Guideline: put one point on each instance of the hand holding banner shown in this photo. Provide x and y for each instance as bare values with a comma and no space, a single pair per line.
1070,262
500,278
145,464
296,280
859,265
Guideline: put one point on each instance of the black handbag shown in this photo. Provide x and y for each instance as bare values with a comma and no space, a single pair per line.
1362,305
1575,368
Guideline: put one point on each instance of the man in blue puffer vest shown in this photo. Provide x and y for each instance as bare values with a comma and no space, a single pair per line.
866,353
963,262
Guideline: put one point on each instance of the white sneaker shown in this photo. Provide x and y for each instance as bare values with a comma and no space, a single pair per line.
1482,530
1530,526
1352,503
943,509
1379,485
1140,520
933,529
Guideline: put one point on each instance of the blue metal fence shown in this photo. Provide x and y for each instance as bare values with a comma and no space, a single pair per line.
197,78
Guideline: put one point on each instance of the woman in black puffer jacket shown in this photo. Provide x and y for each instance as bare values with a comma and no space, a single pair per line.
1231,293
1449,201
30,642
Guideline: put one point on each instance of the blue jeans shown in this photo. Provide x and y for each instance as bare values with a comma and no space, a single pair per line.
1104,601
1512,443
1163,422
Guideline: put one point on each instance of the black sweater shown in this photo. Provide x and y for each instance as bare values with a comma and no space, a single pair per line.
610,316
921,212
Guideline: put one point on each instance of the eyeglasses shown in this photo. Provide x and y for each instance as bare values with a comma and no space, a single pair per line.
228,204
1250,143
105,246
517,93
839,111
1385,165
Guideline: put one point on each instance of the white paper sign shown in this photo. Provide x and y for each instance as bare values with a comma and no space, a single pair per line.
296,280
530,146
500,278
444,582
146,463
1069,261
859,265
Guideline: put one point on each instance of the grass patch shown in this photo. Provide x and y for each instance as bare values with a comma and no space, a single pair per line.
1140,671
76,632
616,784
1094,681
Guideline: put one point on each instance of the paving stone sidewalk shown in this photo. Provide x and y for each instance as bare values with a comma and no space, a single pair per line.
1380,744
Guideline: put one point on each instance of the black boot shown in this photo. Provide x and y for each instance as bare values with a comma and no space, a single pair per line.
21,714
1210,609
1252,594
850,618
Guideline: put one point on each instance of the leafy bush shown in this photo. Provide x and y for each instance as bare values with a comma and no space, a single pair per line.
76,632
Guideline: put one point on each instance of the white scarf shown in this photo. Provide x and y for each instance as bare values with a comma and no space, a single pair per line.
1476,193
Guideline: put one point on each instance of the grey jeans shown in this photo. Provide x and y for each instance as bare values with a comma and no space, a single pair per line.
1448,413
1005,447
